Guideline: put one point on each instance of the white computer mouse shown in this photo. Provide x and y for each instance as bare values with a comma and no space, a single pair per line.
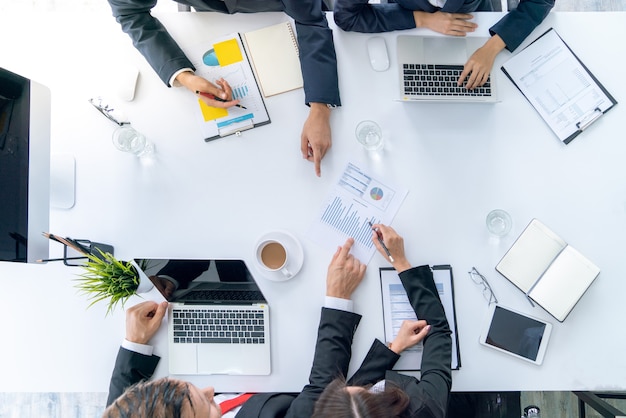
124,77
377,52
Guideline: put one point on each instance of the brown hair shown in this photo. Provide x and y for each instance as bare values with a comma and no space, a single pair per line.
162,398
337,402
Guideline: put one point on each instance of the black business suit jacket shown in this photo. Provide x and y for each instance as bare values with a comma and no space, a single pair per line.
429,395
333,350
315,39
513,28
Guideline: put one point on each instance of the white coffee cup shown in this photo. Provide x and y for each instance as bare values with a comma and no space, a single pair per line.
272,256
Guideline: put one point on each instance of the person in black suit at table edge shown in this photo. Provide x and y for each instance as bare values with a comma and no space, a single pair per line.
330,365
450,17
407,396
317,58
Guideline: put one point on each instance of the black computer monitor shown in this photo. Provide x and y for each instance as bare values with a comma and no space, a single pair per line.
24,168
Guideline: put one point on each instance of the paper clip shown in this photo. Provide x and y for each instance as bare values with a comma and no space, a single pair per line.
589,119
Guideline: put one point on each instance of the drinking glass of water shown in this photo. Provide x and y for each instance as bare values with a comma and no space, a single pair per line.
126,138
369,134
499,222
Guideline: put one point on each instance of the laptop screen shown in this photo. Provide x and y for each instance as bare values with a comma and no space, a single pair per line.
201,281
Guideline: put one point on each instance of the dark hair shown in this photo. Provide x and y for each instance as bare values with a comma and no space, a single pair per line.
337,402
162,398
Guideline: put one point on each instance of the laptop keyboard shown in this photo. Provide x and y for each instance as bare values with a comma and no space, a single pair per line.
227,326
438,80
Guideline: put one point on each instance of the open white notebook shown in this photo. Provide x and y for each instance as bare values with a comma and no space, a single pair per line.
547,269
275,58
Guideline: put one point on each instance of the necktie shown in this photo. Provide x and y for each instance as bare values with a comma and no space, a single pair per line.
233,403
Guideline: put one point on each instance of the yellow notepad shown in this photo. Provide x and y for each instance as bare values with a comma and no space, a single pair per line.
275,58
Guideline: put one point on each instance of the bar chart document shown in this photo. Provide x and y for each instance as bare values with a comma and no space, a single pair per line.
397,309
559,86
356,198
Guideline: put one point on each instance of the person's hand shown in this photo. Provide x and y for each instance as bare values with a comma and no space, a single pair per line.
345,272
478,66
394,243
221,89
454,24
315,139
143,320
410,333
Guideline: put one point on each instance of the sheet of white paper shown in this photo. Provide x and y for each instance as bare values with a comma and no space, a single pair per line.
530,255
564,283
557,84
397,308
355,199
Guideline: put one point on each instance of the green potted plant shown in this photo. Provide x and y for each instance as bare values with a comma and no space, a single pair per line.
106,277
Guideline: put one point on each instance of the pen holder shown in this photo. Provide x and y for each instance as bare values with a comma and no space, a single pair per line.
71,257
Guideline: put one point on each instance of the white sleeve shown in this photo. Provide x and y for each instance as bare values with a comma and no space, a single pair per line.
144,349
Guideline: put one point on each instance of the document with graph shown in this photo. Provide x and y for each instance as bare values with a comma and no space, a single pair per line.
356,198
560,87
226,58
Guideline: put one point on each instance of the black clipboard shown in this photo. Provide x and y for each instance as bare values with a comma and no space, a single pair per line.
588,118
406,363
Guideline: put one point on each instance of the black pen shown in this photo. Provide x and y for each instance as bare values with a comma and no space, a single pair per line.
219,99
380,240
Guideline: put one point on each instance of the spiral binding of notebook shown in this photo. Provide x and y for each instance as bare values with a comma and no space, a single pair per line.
293,38
274,55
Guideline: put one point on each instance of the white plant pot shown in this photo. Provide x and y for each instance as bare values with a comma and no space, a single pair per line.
145,284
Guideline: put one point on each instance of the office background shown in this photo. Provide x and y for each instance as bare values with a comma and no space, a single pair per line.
87,405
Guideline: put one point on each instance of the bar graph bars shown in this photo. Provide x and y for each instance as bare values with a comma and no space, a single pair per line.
345,217
240,92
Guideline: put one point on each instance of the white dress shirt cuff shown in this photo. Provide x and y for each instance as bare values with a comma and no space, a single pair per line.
144,349
339,304
173,82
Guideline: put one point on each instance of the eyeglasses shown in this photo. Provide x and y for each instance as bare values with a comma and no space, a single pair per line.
481,280
106,110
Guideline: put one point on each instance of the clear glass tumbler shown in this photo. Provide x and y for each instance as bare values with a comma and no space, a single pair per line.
499,222
127,139
369,134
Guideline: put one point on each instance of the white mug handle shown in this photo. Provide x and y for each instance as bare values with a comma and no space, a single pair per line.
286,273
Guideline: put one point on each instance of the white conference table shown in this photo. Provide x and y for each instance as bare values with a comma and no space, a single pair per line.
215,199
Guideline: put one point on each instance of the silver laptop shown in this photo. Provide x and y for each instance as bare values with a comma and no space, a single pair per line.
429,67
218,321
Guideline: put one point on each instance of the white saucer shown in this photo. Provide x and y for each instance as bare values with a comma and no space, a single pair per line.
294,249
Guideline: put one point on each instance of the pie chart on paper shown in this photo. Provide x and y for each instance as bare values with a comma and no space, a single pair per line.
376,193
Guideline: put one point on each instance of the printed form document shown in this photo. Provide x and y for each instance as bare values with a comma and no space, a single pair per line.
566,95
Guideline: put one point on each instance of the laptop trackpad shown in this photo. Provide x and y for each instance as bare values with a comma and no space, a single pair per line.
234,359
218,359
445,50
